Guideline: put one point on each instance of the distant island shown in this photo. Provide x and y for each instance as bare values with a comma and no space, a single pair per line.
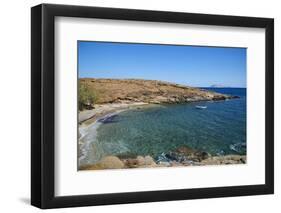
219,86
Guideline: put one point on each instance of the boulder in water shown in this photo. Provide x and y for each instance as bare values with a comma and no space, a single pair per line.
186,150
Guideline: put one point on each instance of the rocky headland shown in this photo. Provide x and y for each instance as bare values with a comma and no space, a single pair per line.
147,91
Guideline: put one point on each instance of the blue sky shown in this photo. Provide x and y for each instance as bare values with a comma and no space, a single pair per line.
189,65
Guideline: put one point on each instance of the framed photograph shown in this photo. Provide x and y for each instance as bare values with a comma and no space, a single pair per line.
139,106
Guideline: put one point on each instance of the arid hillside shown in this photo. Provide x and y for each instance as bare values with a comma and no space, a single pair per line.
148,91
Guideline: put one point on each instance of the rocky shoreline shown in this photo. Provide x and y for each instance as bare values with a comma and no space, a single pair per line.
120,95
102,110
182,156
102,113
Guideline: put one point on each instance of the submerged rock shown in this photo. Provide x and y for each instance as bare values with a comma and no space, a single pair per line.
186,150
191,154
126,155
219,98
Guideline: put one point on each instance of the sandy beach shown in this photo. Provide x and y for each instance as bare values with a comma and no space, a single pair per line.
88,121
87,117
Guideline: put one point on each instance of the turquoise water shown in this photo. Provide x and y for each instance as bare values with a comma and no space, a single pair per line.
219,129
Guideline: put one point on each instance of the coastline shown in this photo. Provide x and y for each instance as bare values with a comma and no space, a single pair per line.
87,117
88,121
91,119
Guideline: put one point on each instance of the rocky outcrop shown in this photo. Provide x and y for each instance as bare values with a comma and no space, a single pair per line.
182,156
187,156
139,162
227,159
147,91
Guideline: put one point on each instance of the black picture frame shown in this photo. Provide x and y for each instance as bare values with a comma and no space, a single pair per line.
43,102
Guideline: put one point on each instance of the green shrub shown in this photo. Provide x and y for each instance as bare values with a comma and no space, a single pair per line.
86,97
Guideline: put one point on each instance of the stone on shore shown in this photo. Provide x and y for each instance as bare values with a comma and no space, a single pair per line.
139,162
187,156
108,162
149,160
227,159
183,156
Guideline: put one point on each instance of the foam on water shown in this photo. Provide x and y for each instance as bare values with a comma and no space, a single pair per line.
90,149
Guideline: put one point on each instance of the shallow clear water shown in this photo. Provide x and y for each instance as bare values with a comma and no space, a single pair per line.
218,129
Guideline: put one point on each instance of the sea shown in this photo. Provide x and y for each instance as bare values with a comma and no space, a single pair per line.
218,129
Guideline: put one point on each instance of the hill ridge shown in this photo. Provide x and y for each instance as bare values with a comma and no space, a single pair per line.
148,91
